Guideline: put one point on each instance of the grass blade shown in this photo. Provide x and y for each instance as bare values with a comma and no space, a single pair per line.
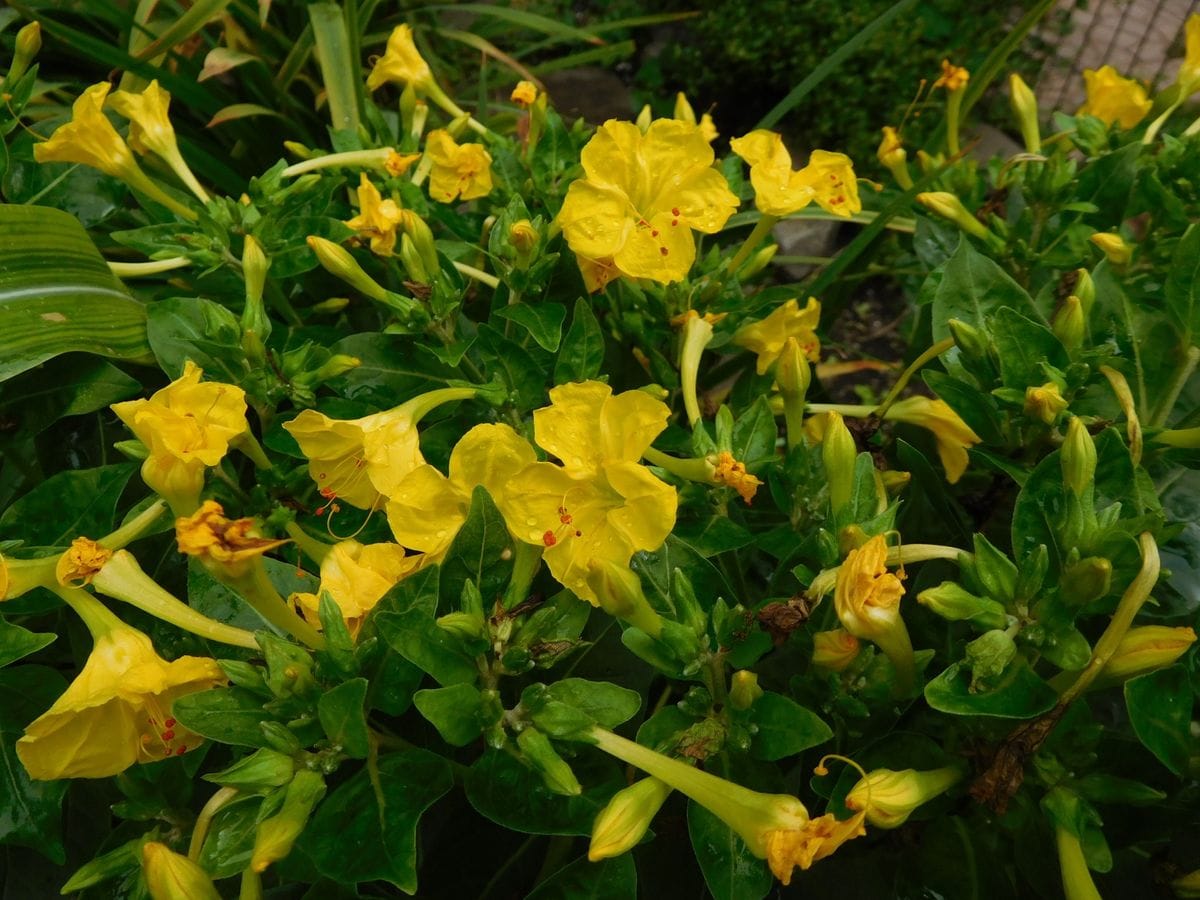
339,69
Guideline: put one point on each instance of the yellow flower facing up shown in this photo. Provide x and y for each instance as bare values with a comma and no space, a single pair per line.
229,544
401,63
460,171
89,138
378,219
867,600
118,709
427,508
953,78
524,94
601,504
187,427
1113,98
953,435
828,180
767,337
356,576
362,461
732,473
642,196
150,130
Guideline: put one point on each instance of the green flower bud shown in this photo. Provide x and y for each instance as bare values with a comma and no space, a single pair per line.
29,42
1085,290
793,372
337,261
953,603
332,305
264,768
555,772
463,625
1070,323
1078,458
411,260
1025,109
172,876
619,593
744,689
1086,581
976,350
839,455
417,229
948,206
338,364
624,821
758,261
277,834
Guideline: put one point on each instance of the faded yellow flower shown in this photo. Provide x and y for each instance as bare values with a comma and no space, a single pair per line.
397,164
732,473
356,576
953,78
81,562
1113,98
867,600
828,180
767,337
953,435
401,63
813,841
228,543
460,171
642,196
524,93
377,219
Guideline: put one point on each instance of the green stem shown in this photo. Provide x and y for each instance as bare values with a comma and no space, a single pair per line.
1157,124
143,184
953,106
135,527
313,548
902,382
478,274
699,470
204,820
98,618
1159,417
761,229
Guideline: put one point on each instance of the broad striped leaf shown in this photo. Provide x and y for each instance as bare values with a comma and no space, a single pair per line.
58,295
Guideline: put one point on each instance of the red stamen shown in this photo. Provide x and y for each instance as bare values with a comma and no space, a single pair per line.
549,539
181,751
675,211
168,735
663,250
170,723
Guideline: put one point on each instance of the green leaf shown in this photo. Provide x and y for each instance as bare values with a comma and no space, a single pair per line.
1019,694
1107,184
71,385
453,711
478,552
406,623
229,715
730,870
522,373
1023,345
17,642
230,842
58,295
785,728
608,879
182,328
1183,284
340,72
1160,710
391,369
543,321
604,703
754,434
583,347
343,715
366,830
67,505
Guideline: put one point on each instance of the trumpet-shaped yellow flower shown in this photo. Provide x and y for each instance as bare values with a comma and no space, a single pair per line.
89,138
1113,98
642,196
117,711
377,219
186,427
150,130
356,576
427,508
227,543
889,797
953,78
1045,402
362,461
460,171
401,63
768,336
601,504
828,180
953,435
867,600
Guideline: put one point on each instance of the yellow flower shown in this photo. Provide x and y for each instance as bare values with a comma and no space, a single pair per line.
150,130
377,219
888,797
89,138
1045,402
427,508
117,711
1189,71
642,196
953,435
172,876
597,273
733,474
827,180
459,170
813,841
620,826
1112,98
1146,649
356,576
834,650
397,164
768,336
361,461
401,63
81,562
228,543
524,93
186,427
891,149
601,505
953,78
867,600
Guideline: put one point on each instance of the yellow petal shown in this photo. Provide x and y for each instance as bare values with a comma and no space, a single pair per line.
489,455
662,250
595,219
569,427
426,511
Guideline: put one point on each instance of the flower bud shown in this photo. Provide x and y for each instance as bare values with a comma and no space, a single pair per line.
338,364
422,237
411,260
298,150
955,604
889,797
541,755
1070,323
758,261
1085,289
332,305
975,348
1076,878
29,42
1025,109
834,650
277,834
894,482
1078,458
337,261
1118,252
1187,886
172,876
264,768
1086,581
744,689
619,593
839,455
624,821
1044,403
948,206
644,118
793,372
524,237
697,334
892,155
463,625
1147,648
